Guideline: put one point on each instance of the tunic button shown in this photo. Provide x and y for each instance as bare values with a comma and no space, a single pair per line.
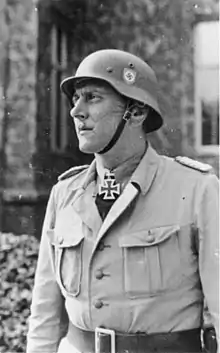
150,238
98,304
99,274
101,246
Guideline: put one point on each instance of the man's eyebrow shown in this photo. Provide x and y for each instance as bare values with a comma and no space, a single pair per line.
85,90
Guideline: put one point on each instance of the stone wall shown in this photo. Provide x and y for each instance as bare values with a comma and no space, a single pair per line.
18,77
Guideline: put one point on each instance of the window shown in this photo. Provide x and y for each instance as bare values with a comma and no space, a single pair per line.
58,103
207,87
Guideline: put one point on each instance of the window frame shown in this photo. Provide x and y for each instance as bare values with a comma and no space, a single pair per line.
59,66
200,148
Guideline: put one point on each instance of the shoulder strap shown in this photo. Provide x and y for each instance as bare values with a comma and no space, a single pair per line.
191,163
72,171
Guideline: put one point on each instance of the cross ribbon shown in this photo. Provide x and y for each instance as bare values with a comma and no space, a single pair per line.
109,188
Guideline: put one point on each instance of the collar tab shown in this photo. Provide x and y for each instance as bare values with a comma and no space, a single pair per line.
72,171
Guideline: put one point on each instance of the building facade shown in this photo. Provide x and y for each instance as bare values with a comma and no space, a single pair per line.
45,42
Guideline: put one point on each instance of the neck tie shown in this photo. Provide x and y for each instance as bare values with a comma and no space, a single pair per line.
109,191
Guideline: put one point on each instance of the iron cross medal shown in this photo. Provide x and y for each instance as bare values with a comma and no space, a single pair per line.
109,188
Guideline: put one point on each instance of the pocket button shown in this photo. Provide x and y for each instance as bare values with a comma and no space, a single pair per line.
98,304
150,238
99,274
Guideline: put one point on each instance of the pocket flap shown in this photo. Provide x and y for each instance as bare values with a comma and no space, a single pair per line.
66,240
148,237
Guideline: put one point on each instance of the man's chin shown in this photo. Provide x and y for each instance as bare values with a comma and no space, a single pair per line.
87,149
90,149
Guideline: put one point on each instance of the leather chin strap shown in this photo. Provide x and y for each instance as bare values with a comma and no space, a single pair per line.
118,131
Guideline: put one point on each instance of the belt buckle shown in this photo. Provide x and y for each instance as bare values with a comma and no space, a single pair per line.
108,332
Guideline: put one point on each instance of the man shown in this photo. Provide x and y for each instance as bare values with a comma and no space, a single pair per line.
129,243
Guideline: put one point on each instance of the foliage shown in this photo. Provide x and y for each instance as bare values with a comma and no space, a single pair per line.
18,257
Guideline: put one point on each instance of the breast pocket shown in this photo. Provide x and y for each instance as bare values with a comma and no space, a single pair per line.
68,261
151,261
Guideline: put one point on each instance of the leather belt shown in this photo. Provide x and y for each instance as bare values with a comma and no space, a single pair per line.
108,341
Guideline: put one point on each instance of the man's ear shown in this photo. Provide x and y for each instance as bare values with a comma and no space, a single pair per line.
138,115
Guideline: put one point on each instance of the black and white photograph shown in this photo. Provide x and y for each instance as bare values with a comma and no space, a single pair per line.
109,176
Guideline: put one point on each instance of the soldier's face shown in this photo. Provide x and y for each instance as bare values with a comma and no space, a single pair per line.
97,111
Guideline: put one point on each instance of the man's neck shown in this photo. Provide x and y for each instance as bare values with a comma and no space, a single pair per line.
124,162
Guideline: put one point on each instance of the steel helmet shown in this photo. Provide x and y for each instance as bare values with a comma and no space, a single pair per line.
127,74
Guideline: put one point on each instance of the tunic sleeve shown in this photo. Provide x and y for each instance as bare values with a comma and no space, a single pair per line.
208,225
47,321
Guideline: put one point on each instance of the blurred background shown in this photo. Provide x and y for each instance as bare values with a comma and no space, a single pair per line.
43,41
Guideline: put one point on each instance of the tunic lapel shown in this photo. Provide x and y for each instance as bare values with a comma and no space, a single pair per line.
144,176
84,202
128,195
84,205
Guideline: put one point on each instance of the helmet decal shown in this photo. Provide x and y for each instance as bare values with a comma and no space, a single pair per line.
129,76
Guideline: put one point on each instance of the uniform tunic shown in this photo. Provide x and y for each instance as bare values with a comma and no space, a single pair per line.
146,268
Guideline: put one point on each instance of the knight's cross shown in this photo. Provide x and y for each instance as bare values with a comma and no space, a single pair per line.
109,188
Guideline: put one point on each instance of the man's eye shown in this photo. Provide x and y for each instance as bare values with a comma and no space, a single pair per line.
92,97
75,99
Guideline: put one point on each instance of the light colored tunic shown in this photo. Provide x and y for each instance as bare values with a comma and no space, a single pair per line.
145,268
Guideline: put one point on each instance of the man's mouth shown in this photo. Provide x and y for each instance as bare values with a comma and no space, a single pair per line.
84,130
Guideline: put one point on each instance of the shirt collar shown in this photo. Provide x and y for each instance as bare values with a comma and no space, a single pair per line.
101,171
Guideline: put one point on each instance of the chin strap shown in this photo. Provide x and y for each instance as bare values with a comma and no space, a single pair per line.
118,132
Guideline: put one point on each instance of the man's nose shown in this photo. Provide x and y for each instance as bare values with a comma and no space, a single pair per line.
79,111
